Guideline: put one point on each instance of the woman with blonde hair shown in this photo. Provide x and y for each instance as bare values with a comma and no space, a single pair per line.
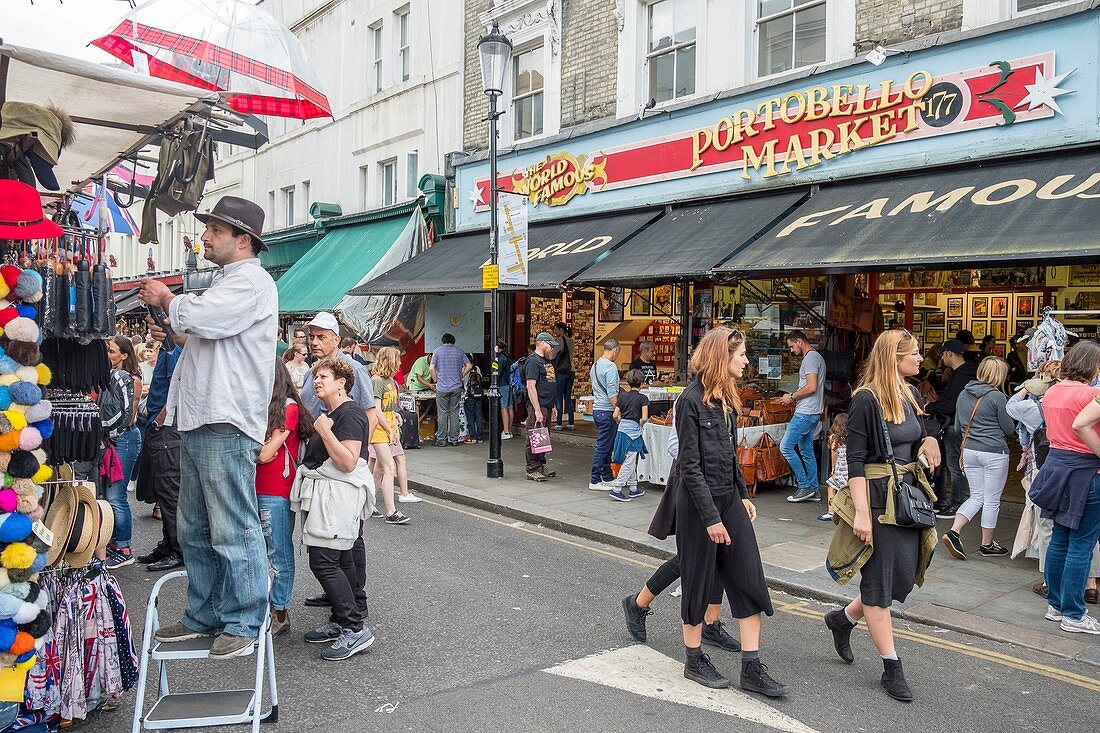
891,559
714,516
385,442
981,417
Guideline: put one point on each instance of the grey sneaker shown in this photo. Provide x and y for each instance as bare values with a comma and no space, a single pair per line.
349,643
1084,625
324,634
177,632
227,646
1053,614
804,495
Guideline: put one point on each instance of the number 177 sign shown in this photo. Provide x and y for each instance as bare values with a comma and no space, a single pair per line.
512,241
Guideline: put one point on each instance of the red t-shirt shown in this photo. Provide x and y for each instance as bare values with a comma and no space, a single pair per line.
1061,405
275,477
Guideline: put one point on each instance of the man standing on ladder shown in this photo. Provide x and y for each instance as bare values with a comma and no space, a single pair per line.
219,396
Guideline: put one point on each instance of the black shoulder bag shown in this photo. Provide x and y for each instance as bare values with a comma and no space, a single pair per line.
912,507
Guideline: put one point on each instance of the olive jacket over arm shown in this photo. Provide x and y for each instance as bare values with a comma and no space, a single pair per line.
708,453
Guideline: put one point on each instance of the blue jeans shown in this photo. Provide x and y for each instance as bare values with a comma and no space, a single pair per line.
800,435
128,446
218,523
605,441
563,398
277,522
475,418
1069,555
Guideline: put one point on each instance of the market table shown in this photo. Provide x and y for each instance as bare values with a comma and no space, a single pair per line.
423,404
655,466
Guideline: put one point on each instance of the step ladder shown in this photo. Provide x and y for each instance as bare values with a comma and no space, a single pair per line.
200,709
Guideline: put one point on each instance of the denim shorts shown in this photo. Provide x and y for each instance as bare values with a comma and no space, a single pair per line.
505,395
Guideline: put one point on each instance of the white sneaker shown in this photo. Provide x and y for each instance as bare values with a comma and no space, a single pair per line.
1084,625
1053,614
505,436
601,486
409,498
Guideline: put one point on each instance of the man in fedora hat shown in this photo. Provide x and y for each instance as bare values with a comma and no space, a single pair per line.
218,399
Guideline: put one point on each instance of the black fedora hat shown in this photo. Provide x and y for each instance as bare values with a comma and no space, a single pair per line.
241,213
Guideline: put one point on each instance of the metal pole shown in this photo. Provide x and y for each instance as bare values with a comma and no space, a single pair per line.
494,467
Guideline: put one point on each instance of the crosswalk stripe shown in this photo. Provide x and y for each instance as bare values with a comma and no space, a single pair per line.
642,670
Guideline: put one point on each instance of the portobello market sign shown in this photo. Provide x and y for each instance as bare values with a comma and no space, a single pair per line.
802,129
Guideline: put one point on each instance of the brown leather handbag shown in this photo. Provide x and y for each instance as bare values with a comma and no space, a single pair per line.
840,312
774,412
770,463
746,459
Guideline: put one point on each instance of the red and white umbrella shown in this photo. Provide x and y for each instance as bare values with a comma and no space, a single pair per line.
222,45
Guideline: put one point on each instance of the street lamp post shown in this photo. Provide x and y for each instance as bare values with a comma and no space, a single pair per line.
495,50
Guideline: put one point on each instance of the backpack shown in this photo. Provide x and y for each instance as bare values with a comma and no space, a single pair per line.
516,381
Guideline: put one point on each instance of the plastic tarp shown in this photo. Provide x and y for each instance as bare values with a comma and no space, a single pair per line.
115,110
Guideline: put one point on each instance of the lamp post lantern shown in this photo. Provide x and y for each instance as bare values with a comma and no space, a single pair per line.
495,50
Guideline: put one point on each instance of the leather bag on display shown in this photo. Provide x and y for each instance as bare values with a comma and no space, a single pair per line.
770,463
746,459
185,164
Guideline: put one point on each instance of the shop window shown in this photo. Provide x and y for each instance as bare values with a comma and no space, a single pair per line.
389,182
670,50
376,57
404,57
412,174
790,33
527,93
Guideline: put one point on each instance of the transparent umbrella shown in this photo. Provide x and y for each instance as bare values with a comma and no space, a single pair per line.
224,45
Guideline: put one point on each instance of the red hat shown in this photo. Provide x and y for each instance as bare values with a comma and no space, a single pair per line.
11,274
21,214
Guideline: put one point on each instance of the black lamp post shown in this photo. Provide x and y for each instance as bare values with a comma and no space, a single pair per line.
495,50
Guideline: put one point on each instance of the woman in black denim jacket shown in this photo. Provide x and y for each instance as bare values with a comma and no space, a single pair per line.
714,515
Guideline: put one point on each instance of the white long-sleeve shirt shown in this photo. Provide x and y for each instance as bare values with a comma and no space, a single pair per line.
227,369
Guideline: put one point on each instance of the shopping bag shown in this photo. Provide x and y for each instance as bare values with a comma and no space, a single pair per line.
539,439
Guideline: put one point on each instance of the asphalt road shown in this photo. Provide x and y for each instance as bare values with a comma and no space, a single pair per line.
471,611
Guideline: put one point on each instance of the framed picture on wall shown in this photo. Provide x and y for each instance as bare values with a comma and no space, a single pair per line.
934,336
954,307
918,327
979,308
662,301
1022,325
999,306
936,318
1025,306
999,329
639,302
980,329
611,304
953,327
676,301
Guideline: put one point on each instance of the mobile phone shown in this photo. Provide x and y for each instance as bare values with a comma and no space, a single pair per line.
924,462
161,319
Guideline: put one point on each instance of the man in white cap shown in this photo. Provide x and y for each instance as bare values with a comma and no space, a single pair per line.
218,399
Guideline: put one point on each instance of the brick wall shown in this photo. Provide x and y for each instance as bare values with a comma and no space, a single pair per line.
589,57
475,132
895,21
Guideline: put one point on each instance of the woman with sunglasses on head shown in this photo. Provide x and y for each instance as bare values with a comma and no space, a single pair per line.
895,558
295,360
714,516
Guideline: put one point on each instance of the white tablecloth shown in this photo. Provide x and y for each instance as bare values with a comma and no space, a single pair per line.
655,466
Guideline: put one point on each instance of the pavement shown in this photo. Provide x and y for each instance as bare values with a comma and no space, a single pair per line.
491,624
986,597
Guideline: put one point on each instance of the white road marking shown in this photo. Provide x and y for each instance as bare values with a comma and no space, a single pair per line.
644,671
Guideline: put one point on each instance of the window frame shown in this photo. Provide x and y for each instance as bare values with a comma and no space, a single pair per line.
288,206
539,51
412,164
390,188
403,38
378,81
791,11
674,50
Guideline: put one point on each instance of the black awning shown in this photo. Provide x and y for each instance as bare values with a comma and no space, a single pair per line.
127,301
690,241
557,251
1040,209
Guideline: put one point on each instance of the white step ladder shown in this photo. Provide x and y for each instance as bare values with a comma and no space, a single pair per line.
200,709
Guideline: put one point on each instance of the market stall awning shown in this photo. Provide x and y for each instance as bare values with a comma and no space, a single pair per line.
1039,210
127,301
689,242
339,262
287,246
557,251
115,111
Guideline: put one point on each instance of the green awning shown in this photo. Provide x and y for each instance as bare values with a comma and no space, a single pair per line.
287,246
336,264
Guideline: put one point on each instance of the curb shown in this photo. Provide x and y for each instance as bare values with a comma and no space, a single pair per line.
778,578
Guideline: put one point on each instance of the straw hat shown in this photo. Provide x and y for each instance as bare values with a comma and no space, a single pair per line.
85,534
106,524
59,520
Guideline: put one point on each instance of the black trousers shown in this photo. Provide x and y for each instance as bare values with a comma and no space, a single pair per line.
667,574
335,571
162,450
736,566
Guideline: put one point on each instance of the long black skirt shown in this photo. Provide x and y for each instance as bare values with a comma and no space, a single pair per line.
890,573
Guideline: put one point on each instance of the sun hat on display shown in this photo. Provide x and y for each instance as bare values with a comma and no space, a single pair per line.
21,215
88,521
60,520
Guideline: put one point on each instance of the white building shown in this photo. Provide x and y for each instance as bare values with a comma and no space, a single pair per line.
392,71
